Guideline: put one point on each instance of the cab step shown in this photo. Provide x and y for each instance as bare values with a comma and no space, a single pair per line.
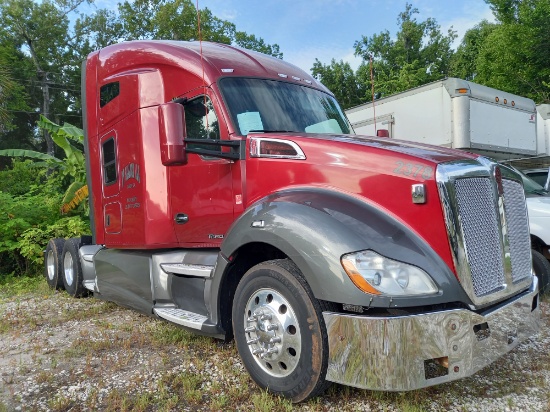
182,317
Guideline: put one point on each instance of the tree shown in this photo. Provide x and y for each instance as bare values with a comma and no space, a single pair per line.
42,32
341,80
515,56
464,61
163,19
420,54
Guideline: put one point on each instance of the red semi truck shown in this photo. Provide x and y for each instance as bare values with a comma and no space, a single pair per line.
230,196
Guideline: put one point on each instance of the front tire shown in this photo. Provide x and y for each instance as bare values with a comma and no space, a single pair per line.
280,332
72,270
53,262
541,267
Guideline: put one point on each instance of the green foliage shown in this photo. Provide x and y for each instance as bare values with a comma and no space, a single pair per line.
74,164
420,54
11,286
251,42
21,177
162,19
342,81
27,222
30,201
512,55
33,241
463,64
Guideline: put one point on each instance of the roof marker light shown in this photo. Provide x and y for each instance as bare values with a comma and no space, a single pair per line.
296,78
497,99
227,70
462,90
284,76
307,81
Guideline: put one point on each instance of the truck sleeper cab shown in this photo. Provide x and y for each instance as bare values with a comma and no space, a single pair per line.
230,196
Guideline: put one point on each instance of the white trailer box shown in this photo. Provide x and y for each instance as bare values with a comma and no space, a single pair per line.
543,126
455,113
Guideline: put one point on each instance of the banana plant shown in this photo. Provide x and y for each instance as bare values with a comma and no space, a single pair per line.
73,165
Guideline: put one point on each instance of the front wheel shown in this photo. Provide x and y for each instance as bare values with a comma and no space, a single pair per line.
541,267
280,332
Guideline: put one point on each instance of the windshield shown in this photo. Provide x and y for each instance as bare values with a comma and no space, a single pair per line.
530,186
259,105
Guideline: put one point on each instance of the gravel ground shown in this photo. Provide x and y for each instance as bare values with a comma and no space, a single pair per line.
61,354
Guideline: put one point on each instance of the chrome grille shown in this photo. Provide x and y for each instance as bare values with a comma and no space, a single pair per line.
480,225
518,229
488,231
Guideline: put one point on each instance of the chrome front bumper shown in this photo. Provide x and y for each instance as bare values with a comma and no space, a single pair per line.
411,352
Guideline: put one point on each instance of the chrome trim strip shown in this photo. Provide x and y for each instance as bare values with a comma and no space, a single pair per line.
446,176
390,353
200,271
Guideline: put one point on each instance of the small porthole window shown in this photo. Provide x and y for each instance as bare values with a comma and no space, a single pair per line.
108,92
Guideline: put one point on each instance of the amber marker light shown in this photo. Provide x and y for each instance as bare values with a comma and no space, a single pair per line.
375,274
462,91
497,99
357,279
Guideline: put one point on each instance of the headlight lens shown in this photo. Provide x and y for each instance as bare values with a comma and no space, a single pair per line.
379,275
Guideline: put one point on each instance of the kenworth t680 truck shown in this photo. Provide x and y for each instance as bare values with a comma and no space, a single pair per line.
229,195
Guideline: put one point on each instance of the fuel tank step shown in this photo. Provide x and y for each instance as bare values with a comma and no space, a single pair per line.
181,317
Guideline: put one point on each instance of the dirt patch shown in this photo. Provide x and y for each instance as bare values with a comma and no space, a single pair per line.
63,354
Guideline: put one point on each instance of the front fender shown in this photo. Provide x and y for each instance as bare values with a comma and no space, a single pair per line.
315,227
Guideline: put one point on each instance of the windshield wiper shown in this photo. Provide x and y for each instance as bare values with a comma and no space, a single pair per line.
271,131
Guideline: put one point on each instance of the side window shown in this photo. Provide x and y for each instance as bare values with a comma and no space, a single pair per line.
201,121
108,92
109,162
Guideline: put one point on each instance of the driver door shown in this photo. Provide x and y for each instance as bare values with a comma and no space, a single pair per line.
201,191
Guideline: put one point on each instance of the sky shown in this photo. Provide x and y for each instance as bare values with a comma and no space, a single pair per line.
327,29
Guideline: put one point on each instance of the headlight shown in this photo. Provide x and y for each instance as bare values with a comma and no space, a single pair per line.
378,275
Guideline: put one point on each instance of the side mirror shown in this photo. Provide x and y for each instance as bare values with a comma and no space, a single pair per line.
171,133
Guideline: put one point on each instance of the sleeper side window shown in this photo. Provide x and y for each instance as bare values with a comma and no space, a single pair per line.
108,92
109,162
201,121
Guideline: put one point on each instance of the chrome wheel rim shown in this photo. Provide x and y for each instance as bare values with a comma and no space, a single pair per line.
272,332
68,268
50,264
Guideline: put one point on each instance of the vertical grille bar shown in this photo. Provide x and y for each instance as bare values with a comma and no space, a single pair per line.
518,229
480,226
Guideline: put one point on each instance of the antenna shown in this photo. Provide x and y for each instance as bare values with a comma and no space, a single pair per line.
372,89
202,60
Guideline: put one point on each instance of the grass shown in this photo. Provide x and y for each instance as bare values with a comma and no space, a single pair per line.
12,286
130,362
